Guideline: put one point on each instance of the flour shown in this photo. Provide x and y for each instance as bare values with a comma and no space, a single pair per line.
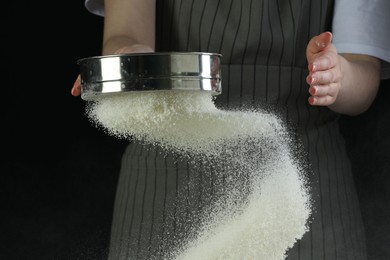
254,151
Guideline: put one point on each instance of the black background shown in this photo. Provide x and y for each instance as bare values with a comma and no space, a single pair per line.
60,173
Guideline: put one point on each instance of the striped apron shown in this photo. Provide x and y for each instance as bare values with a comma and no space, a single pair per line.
263,43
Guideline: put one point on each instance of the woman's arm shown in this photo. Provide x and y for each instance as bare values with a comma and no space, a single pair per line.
129,26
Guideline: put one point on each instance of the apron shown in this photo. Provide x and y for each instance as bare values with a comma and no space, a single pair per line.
263,44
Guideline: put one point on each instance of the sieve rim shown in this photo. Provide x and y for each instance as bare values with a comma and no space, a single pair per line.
142,54
117,73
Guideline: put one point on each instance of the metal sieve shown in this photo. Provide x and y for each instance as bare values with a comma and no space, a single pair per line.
115,74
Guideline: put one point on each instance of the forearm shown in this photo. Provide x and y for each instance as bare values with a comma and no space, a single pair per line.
359,84
128,23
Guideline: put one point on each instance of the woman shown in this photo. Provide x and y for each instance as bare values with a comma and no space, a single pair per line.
276,54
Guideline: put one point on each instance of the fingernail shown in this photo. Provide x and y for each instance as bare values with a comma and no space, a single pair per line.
321,44
312,90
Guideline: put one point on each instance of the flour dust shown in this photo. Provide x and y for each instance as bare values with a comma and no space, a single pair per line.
262,206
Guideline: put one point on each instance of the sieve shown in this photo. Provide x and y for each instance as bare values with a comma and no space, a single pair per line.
153,71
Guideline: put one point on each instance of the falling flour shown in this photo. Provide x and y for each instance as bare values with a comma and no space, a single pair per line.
266,207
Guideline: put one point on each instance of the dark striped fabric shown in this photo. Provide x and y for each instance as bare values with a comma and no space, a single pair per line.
263,44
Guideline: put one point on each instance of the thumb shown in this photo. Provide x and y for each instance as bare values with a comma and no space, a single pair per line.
76,89
318,43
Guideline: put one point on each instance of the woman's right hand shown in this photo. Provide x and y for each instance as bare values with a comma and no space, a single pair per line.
136,48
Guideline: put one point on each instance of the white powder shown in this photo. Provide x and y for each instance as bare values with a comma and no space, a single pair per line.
272,221
185,120
252,145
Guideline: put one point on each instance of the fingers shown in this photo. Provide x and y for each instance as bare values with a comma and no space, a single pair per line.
321,101
324,77
324,87
76,89
323,95
319,52
322,62
324,71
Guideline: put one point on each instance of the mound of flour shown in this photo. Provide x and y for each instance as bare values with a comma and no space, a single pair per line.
250,144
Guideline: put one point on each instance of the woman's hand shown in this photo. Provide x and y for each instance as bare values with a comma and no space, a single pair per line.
136,48
324,70
346,83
